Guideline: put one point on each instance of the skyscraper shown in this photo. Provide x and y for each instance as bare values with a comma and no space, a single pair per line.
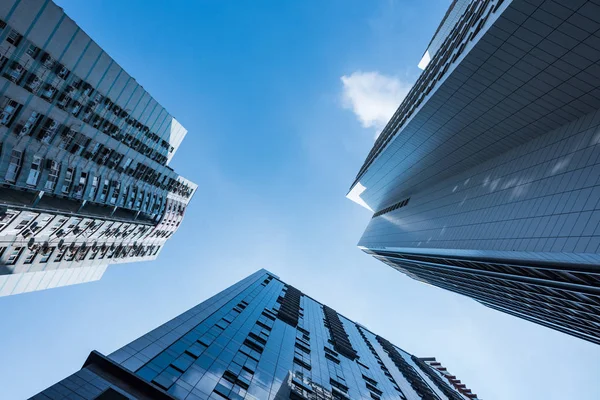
486,180
84,156
259,339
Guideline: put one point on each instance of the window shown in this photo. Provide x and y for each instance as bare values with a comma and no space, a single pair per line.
82,184
14,37
23,223
33,82
54,171
73,226
47,61
60,254
67,137
68,180
15,73
94,188
48,131
147,201
14,256
94,149
80,142
46,255
30,257
88,89
6,218
132,198
62,72
127,163
33,50
49,92
16,158
8,113
111,253
77,106
138,202
57,225
94,253
34,172
115,194
30,124
105,190
71,253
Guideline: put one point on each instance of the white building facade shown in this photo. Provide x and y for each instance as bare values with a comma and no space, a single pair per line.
84,154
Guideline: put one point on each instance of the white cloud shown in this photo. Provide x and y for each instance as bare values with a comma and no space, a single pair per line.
373,97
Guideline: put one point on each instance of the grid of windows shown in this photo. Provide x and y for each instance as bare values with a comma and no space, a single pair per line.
78,139
391,208
501,162
234,346
465,30
562,297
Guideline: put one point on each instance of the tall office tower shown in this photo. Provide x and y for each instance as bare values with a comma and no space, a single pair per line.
84,156
486,180
259,339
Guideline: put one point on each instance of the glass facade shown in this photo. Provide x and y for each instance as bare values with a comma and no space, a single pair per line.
485,180
260,339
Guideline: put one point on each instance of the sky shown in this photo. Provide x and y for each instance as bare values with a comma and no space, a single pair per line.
282,101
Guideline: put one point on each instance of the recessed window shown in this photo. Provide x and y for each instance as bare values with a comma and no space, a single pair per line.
46,254
14,167
34,172
14,37
30,257
14,255
53,172
33,50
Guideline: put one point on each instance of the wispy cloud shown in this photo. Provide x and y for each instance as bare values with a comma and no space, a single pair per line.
373,97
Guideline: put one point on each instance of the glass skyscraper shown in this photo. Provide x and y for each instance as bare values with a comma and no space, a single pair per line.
486,180
260,339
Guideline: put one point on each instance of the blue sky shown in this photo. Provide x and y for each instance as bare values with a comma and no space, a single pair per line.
282,100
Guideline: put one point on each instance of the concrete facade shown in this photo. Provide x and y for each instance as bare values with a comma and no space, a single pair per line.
84,154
